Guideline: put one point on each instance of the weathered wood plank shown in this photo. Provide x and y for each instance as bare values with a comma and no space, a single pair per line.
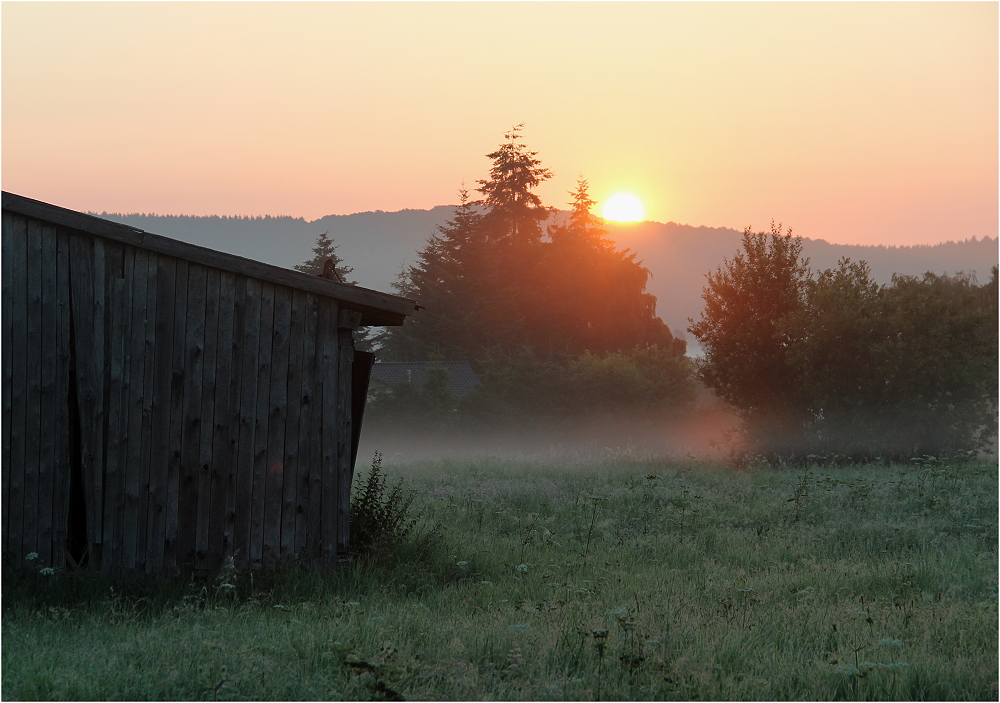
247,407
330,369
141,529
307,521
32,425
378,308
290,474
133,403
231,436
15,233
116,310
159,441
261,415
7,282
49,401
276,426
345,470
209,391
129,333
63,465
94,465
190,446
18,230
223,444
176,432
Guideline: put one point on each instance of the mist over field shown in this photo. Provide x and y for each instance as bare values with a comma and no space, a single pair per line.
594,336
708,431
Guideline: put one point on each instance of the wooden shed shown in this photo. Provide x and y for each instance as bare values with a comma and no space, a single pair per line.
167,407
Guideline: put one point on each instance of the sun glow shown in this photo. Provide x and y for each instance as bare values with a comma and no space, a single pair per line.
623,207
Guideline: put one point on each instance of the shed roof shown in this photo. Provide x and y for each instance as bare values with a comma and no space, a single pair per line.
462,380
377,309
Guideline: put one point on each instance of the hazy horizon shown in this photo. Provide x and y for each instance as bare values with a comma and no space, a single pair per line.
615,226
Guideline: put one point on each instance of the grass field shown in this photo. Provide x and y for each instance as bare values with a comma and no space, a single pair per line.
616,579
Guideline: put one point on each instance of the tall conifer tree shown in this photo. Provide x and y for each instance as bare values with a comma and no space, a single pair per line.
325,249
458,281
594,294
488,280
513,212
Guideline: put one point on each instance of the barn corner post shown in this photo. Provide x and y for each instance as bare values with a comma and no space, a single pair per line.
347,322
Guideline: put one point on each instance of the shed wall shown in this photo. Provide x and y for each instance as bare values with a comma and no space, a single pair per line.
164,415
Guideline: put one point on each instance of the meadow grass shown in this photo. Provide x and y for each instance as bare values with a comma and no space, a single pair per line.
613,579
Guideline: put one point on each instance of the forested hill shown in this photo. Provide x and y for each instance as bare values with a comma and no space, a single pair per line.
377,244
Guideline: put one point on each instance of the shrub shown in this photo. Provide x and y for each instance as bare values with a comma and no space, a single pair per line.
383,528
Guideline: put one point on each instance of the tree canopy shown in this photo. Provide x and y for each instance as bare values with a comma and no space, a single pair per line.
492,278
747,349
835,363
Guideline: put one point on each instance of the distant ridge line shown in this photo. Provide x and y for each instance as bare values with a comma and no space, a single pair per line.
118,216
379,245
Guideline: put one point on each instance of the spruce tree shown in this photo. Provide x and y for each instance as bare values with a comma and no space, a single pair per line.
581,225
459,283
325,249
513,212
594,294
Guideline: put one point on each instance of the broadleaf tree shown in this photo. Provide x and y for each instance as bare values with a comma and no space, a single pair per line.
748,350
837,364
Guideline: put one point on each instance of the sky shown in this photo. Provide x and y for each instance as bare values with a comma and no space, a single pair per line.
855,122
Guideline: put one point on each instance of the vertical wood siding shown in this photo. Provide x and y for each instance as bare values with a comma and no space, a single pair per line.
206,413
15,250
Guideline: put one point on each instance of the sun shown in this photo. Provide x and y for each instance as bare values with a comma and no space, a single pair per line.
623,207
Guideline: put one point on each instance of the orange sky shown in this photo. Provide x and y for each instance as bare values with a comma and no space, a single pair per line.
861,123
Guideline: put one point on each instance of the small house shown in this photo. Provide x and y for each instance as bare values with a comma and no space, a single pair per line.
168,408
387,375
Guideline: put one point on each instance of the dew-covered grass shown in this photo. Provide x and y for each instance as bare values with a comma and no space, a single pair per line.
612,579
